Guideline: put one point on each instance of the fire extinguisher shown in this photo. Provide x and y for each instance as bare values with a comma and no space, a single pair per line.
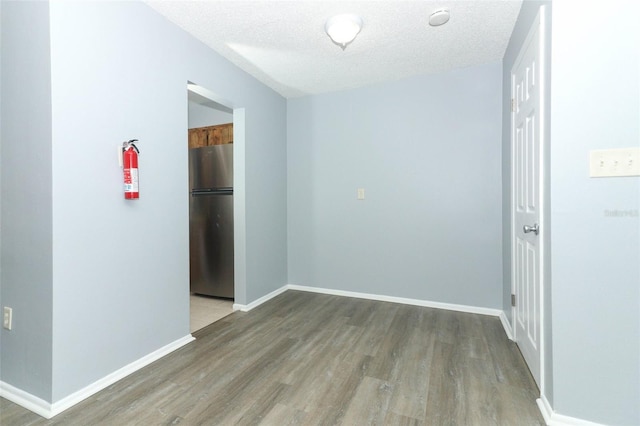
130,167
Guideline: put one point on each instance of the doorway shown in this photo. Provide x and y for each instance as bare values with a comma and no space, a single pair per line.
528,228
210,144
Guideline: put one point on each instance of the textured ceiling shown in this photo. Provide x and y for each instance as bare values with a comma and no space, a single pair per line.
283,44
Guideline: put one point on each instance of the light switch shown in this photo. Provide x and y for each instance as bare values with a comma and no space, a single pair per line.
614,162
360,193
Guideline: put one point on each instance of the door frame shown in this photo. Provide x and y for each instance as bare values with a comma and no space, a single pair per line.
239,191
539,24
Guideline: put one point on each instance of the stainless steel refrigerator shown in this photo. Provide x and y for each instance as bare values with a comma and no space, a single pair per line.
211,220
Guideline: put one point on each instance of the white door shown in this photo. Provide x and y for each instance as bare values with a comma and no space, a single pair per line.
526,183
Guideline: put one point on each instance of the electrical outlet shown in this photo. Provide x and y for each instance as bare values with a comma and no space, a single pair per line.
7,317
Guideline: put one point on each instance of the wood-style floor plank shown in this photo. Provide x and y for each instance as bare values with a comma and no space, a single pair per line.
314,359
411,379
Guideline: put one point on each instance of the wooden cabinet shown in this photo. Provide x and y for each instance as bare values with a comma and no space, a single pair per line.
211,135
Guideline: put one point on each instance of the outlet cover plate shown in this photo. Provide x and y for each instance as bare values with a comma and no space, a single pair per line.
614,162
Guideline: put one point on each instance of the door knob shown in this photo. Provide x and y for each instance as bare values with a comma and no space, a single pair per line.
533,229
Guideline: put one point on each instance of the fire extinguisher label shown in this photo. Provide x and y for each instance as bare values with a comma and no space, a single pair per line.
130,180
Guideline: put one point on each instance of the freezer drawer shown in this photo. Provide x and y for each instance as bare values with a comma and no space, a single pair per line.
211,244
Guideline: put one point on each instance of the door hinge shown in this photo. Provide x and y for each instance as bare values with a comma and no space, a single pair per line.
513,300
513,105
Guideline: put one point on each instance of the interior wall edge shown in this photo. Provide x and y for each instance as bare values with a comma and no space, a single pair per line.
48,411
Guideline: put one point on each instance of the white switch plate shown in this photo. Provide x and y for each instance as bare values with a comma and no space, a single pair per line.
614,162
360,193
7,317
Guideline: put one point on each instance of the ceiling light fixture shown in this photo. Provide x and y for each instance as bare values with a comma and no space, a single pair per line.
439,17
343,29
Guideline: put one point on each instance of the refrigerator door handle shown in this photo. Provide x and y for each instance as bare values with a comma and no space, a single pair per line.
206,192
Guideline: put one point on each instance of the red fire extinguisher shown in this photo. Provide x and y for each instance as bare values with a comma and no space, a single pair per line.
130,167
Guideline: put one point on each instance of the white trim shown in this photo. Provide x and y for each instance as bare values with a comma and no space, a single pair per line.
239,205
514,314
382,298
545,409
46,410
82,394
505,324
392,299
543,182
260,301
25,400
553,419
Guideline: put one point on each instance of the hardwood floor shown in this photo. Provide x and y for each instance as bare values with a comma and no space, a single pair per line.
313,359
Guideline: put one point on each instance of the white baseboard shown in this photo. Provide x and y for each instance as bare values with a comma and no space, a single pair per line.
505,324
46,410
552,418
405,301
260,301
381,298
545,409
25,400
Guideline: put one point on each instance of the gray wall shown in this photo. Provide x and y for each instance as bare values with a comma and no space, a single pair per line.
595,104
427,150
527,15
26,175
203,116
120,268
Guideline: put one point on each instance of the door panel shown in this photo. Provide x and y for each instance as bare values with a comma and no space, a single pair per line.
526,184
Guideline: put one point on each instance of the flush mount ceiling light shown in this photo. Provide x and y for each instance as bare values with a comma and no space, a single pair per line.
343,29
439,17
